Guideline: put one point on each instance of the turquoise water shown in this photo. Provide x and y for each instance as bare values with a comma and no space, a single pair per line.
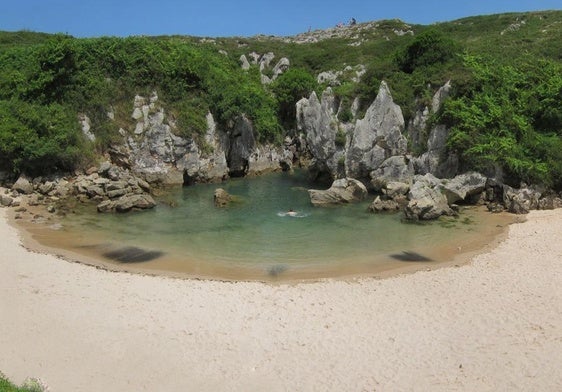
255,237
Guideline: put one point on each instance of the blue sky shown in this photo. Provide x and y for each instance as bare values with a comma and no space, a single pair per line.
215,18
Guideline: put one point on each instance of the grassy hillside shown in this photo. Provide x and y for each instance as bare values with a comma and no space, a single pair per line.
505,69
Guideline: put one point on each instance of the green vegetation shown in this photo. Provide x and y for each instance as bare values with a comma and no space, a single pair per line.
7,386
289,88
510,118
504,110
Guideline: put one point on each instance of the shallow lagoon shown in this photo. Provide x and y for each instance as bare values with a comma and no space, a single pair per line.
256,239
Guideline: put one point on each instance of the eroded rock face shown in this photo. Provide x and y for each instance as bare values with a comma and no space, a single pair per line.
436,160
317,119
240,146
520,201
464,186
377,137
396,168
342,191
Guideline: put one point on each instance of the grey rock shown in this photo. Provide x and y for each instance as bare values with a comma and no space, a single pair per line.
464,187
23,185
116,185
241,146
119,192
86,125
426,200
318,122
342,191
437,160
94,190
221,198
396,168
394,189
244,63
281,67
376,137
46,187
128,202
106,206
440,96
265,60
550,202
380,205
6,201
520,201
104,168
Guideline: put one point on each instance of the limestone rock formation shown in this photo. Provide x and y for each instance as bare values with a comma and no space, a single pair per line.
317,119
240,146
436,160
397,168
377,137
426,200
464,187
281,67
342,191
520,201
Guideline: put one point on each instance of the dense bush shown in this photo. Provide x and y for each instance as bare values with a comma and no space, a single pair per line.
508,120
430,48
289,88
39,138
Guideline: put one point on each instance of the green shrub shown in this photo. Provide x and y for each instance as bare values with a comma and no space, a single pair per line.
39,139
289,88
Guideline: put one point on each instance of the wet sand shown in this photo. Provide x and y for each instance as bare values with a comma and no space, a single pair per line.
492,324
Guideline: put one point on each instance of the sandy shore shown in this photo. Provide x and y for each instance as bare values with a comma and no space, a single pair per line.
492,325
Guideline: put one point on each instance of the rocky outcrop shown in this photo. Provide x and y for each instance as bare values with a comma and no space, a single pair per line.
244,63
342,191
280,68
465,187
240,146
396,168
317,119
377,137
427,202
436,159
520,201
127,203
113,188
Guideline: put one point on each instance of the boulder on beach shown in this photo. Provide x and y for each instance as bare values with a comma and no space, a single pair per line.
342,191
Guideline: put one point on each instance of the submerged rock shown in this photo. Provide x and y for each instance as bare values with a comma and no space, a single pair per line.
222,198
342,191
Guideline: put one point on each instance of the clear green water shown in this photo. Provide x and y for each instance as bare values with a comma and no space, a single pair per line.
255,239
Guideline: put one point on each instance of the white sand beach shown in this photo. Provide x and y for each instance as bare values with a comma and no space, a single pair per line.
494,324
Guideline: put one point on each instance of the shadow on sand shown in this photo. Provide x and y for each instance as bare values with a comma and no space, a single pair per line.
131,254
410,256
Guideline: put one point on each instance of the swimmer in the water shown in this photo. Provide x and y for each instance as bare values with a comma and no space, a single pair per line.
292,213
